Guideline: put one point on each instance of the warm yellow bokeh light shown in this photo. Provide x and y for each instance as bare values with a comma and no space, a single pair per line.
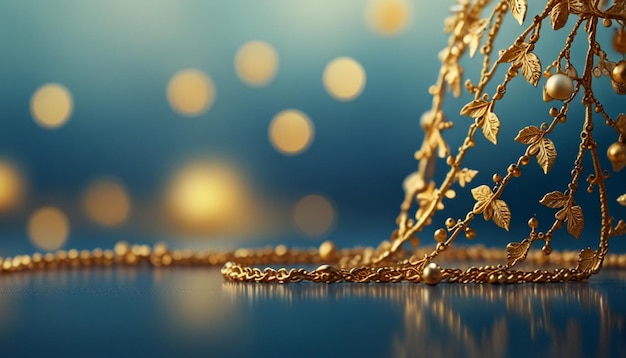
48,228
291,132
388,17
51,105
256,63
191,92
106,202
344,78
208,197
11,187
313,215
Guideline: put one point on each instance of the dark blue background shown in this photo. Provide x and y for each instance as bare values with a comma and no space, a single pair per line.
117,57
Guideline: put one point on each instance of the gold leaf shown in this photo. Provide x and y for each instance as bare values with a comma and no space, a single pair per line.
622,199
588,260
529,135
501,214
465,176
579,7
475,109
575,221
475,35
620,123
531,68
518,9
483,195
619,229
453,76
546,156
514,53
555,200
488,213
559,15
491,127
414,183
516,251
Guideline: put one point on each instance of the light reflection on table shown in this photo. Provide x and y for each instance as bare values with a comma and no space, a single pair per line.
186,312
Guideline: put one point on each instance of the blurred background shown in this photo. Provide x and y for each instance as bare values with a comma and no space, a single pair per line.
236,123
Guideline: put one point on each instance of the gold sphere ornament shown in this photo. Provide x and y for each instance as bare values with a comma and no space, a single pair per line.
559,86
440,235
619,41
432,274
617,155
619,72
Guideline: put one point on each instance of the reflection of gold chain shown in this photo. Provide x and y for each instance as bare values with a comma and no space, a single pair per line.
472,33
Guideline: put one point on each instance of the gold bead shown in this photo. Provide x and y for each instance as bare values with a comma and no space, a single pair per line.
496,178
470,233
607,22
546,249
533,222
559,86
450,222
328,251
554,112
514,170
432,274
524,160
617,155
441,235
619,72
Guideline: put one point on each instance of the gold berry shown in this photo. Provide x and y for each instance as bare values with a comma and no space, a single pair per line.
619,72
617,154
441,235
470,233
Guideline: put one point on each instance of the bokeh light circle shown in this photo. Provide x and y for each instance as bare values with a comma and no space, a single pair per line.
11,187
51,106
313,215
388,17
256,63
210,197
191,92
48,228
291,132
344,78
107,203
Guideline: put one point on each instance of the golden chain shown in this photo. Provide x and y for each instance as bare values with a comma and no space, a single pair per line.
237,265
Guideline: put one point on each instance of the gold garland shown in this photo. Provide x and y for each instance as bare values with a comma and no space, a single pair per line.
470,33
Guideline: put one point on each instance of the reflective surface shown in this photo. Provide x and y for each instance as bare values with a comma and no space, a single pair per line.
193,312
